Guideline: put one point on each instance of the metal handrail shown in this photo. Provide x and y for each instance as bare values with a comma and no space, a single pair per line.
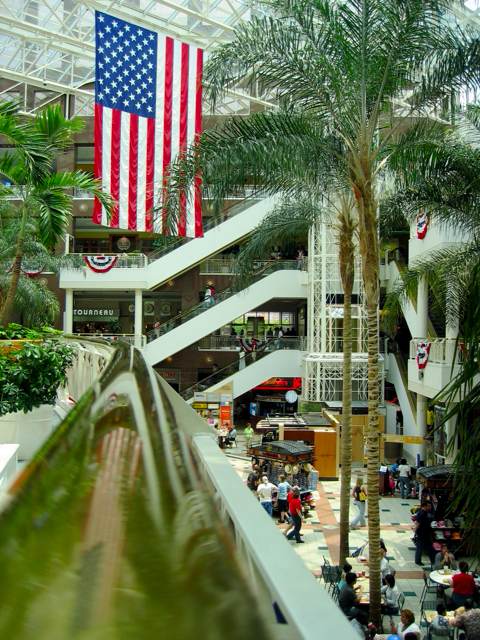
442,350
131,500
245,359
129,338
208,224
266,268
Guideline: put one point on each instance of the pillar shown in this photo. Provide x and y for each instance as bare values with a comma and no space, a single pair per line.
422,422
422,309
68,314
138,318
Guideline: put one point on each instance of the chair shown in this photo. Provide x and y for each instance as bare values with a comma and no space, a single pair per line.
429,587
427,605
335,593
330,576
400,603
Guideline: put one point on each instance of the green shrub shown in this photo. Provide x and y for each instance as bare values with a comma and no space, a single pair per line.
30,377
14,331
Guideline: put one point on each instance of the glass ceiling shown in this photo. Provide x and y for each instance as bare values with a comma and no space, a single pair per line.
49,44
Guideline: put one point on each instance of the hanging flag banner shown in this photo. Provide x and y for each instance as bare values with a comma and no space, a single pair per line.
423,351
251,344
148,111
100,264
422,225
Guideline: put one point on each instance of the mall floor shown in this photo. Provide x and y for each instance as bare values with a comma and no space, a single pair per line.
321,532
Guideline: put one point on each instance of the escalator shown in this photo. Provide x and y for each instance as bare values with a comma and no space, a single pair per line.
278,279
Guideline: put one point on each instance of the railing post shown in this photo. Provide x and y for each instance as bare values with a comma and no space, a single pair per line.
138,318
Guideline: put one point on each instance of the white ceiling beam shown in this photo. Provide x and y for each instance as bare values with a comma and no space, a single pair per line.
44,84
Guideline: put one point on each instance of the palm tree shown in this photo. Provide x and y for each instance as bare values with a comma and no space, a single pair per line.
287,223
45,195
342,66
36,303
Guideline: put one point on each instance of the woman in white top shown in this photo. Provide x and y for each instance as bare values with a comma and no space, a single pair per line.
404,478
408,624
390,595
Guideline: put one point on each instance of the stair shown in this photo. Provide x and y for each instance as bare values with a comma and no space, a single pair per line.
280,281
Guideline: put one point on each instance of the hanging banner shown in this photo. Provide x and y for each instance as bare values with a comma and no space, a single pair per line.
423,351
422,225
100,264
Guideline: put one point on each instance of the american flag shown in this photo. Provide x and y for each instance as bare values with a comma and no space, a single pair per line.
148,109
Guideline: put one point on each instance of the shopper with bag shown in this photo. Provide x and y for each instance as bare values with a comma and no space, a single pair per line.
359,495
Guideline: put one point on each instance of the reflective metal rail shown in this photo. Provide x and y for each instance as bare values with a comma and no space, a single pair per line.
130,523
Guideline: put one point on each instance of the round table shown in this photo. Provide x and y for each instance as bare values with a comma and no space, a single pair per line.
441,578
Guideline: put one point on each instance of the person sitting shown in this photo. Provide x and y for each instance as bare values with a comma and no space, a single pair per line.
348,599
444,558
469,621
440,626
408,626
358,623
232,437
385,568
346,569
463,585
390,594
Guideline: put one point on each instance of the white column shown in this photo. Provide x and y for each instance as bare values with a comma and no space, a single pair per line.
422,309
138,319
422,421
323,308
68,314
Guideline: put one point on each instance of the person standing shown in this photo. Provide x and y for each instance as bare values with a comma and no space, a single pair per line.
208,296
248,433
295,510
283,488
423,533
404,478
264,492
253,478
359,495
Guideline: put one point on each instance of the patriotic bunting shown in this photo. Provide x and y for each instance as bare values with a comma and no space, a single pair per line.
100,264
422,225
423,351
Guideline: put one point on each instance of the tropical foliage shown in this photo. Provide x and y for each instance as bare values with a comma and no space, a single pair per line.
44,194
337,69
31,376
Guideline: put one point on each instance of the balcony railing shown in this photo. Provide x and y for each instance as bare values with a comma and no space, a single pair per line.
129,338
186,315
442,350
131,496
245,359
125,260
217,267
233,343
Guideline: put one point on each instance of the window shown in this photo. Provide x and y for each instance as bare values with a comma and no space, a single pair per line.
84,157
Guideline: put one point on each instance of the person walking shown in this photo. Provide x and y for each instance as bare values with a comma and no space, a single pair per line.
359,495
264,492
248,433
283,488
404,478
295,510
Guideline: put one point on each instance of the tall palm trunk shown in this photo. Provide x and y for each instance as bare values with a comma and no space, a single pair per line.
347,273
368,233
7,306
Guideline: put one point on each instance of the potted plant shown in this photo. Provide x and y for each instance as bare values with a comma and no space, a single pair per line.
30,376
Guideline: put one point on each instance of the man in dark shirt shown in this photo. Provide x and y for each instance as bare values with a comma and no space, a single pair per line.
423,534
347,599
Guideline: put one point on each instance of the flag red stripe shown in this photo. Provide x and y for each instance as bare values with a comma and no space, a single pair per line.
133,172
115,164
182,222
97,159
198,131
167,115
150,159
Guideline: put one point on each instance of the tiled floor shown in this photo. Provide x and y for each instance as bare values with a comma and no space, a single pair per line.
321,533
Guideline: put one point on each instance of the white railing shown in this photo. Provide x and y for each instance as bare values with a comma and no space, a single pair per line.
442,350
217,266
130,338
125,260
232,343
91,359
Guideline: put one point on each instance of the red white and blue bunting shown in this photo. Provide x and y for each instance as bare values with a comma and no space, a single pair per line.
100,264
422,225
423,351
251,344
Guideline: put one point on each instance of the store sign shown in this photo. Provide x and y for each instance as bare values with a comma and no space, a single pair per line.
280,384
85,311
170,375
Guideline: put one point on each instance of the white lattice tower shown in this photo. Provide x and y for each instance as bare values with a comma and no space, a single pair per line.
323,364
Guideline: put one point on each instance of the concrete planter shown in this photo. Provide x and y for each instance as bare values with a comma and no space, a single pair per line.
28,430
